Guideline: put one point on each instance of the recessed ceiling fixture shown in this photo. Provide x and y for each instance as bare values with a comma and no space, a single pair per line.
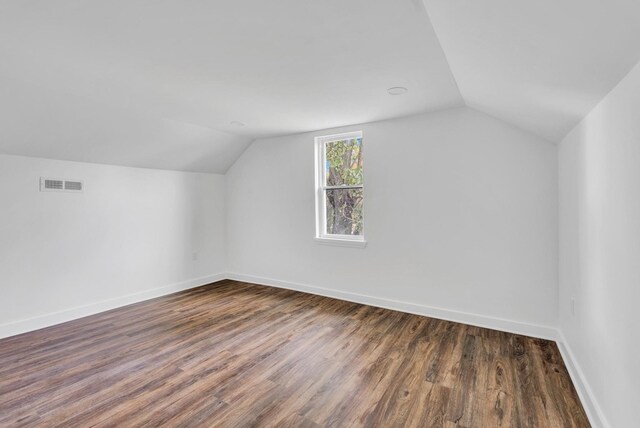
237,123
397,90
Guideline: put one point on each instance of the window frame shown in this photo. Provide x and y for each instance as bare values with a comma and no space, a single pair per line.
320,190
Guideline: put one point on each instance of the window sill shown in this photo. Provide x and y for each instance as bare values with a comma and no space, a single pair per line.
341,242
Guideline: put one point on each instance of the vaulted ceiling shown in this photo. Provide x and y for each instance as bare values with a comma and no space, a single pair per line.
541,65
163,84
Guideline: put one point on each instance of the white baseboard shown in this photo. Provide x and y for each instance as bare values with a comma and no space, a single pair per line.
543,332
590,404
47,320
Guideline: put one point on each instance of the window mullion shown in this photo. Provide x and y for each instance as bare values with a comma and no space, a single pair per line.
355,186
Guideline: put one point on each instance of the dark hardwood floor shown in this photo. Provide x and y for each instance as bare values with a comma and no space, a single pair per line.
236,355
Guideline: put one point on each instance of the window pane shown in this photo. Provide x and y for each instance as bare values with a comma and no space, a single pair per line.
344,211
344,162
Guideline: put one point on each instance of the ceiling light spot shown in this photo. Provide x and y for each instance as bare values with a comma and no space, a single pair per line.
397,90
237,123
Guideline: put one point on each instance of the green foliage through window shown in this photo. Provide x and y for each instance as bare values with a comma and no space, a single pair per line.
344,168
344,162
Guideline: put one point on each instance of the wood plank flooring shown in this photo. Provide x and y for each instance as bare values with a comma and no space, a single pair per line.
238,355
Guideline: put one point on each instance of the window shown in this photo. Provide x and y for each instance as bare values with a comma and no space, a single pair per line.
340,189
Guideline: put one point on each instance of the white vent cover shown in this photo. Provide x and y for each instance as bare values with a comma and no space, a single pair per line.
57,185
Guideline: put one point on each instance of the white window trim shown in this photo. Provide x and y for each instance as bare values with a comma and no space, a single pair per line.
355,243
321,237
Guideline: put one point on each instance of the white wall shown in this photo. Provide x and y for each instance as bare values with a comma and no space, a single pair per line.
131,233
600,251
460,214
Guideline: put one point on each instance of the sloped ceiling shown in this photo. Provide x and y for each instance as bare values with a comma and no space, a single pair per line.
541,65
158,83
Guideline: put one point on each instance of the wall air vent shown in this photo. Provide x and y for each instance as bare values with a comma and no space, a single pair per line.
74,186
57,185
53,184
